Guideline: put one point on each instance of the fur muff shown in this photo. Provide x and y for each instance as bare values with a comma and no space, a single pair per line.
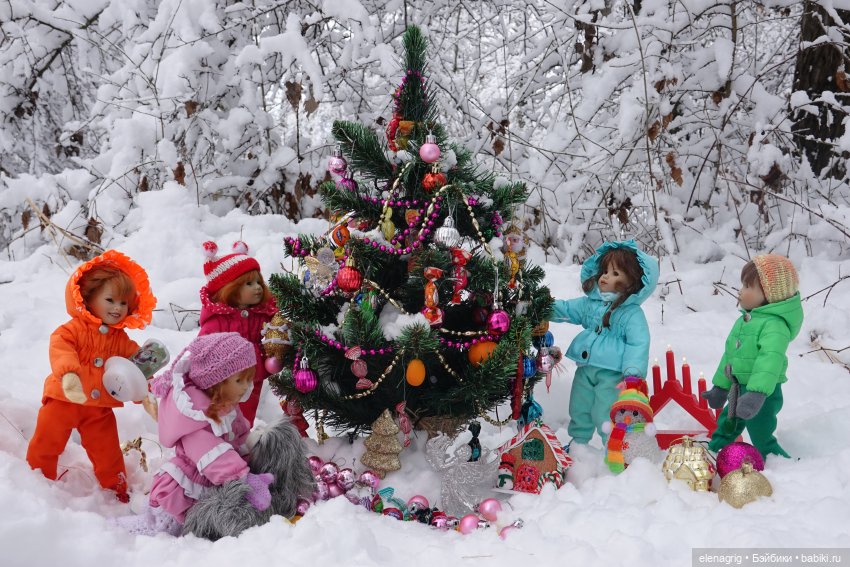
223,510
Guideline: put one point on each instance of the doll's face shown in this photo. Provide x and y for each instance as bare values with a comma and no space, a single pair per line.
234,387
250,292
751,296
107,305
613,279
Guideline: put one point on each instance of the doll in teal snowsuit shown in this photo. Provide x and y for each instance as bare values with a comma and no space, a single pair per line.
751,373
615,341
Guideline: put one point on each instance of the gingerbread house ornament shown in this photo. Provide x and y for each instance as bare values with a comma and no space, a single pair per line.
537,457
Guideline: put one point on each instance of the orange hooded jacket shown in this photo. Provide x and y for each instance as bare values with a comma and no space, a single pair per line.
83,344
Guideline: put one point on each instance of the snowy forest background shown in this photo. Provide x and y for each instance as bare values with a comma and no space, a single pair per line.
684,124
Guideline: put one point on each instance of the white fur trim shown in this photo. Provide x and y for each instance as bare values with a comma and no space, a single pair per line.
191,488
184,405
212,455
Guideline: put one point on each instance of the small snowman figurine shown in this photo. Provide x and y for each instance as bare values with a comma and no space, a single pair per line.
631,432
505,473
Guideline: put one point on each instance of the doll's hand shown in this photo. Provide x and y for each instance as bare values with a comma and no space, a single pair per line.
749,404
151,406
716,397
72,387
259,497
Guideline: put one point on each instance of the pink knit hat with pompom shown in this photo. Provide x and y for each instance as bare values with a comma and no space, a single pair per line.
208,360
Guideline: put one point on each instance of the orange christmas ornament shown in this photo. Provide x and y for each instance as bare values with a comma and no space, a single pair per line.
480,352
415,374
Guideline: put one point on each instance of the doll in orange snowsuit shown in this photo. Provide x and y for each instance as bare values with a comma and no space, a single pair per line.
104,296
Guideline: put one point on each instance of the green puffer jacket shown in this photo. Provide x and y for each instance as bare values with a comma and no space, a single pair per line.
756,346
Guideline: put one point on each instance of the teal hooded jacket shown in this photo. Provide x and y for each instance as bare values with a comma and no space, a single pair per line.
624,345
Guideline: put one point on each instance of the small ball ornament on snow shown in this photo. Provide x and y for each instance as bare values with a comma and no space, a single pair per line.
742,486
689,461
732,456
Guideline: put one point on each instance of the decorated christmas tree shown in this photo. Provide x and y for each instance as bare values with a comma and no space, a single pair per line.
418,297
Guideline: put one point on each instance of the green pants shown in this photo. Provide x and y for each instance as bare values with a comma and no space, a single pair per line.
760,427
593,393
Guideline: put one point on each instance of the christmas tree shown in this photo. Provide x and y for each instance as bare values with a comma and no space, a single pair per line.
419,292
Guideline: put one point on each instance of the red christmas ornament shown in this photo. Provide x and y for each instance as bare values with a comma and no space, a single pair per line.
392,127
460,274
349,278
432,297
433,181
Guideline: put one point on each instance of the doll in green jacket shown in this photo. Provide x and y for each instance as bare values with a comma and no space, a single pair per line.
751,373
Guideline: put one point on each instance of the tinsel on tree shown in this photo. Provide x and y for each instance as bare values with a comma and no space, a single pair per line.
418,299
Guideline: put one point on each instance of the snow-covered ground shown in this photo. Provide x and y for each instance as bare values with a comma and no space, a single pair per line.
635,518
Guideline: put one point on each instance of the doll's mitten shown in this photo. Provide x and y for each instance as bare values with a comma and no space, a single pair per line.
259,495
72,387
749,404
716,397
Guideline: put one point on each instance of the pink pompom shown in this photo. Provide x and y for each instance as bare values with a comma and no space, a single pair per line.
240,247
210,249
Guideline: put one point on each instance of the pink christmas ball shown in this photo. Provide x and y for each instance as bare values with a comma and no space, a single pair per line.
305,380
498,322
489,508
417,503
315,464
329,472
429,152
301,506
321,492
334,490
732,456
369,479
337,165
346,479
468,524
273,365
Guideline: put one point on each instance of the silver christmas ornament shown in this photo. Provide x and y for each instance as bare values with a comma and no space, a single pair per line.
464,484
447,235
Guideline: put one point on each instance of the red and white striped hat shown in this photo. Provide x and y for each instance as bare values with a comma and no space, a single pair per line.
221,271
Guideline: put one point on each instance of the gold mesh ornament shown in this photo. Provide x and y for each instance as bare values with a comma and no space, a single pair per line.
276,341
742,486
690,462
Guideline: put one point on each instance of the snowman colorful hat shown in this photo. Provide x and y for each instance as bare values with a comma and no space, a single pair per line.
632,399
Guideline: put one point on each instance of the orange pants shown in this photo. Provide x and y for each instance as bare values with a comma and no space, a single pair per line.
98,433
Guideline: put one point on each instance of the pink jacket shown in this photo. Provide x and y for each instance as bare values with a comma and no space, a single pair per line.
222,318
207,453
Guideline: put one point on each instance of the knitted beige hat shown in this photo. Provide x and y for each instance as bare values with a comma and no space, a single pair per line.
777,276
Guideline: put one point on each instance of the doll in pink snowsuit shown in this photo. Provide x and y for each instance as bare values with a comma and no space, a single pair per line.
200,417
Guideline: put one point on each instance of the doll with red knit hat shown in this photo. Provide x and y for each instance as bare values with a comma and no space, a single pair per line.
237,299
752,370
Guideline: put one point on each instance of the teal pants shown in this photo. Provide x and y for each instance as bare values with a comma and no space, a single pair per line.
760,427
593,393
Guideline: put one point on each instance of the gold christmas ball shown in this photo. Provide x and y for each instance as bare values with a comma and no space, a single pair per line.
743,486
275,335
690,462
415,374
